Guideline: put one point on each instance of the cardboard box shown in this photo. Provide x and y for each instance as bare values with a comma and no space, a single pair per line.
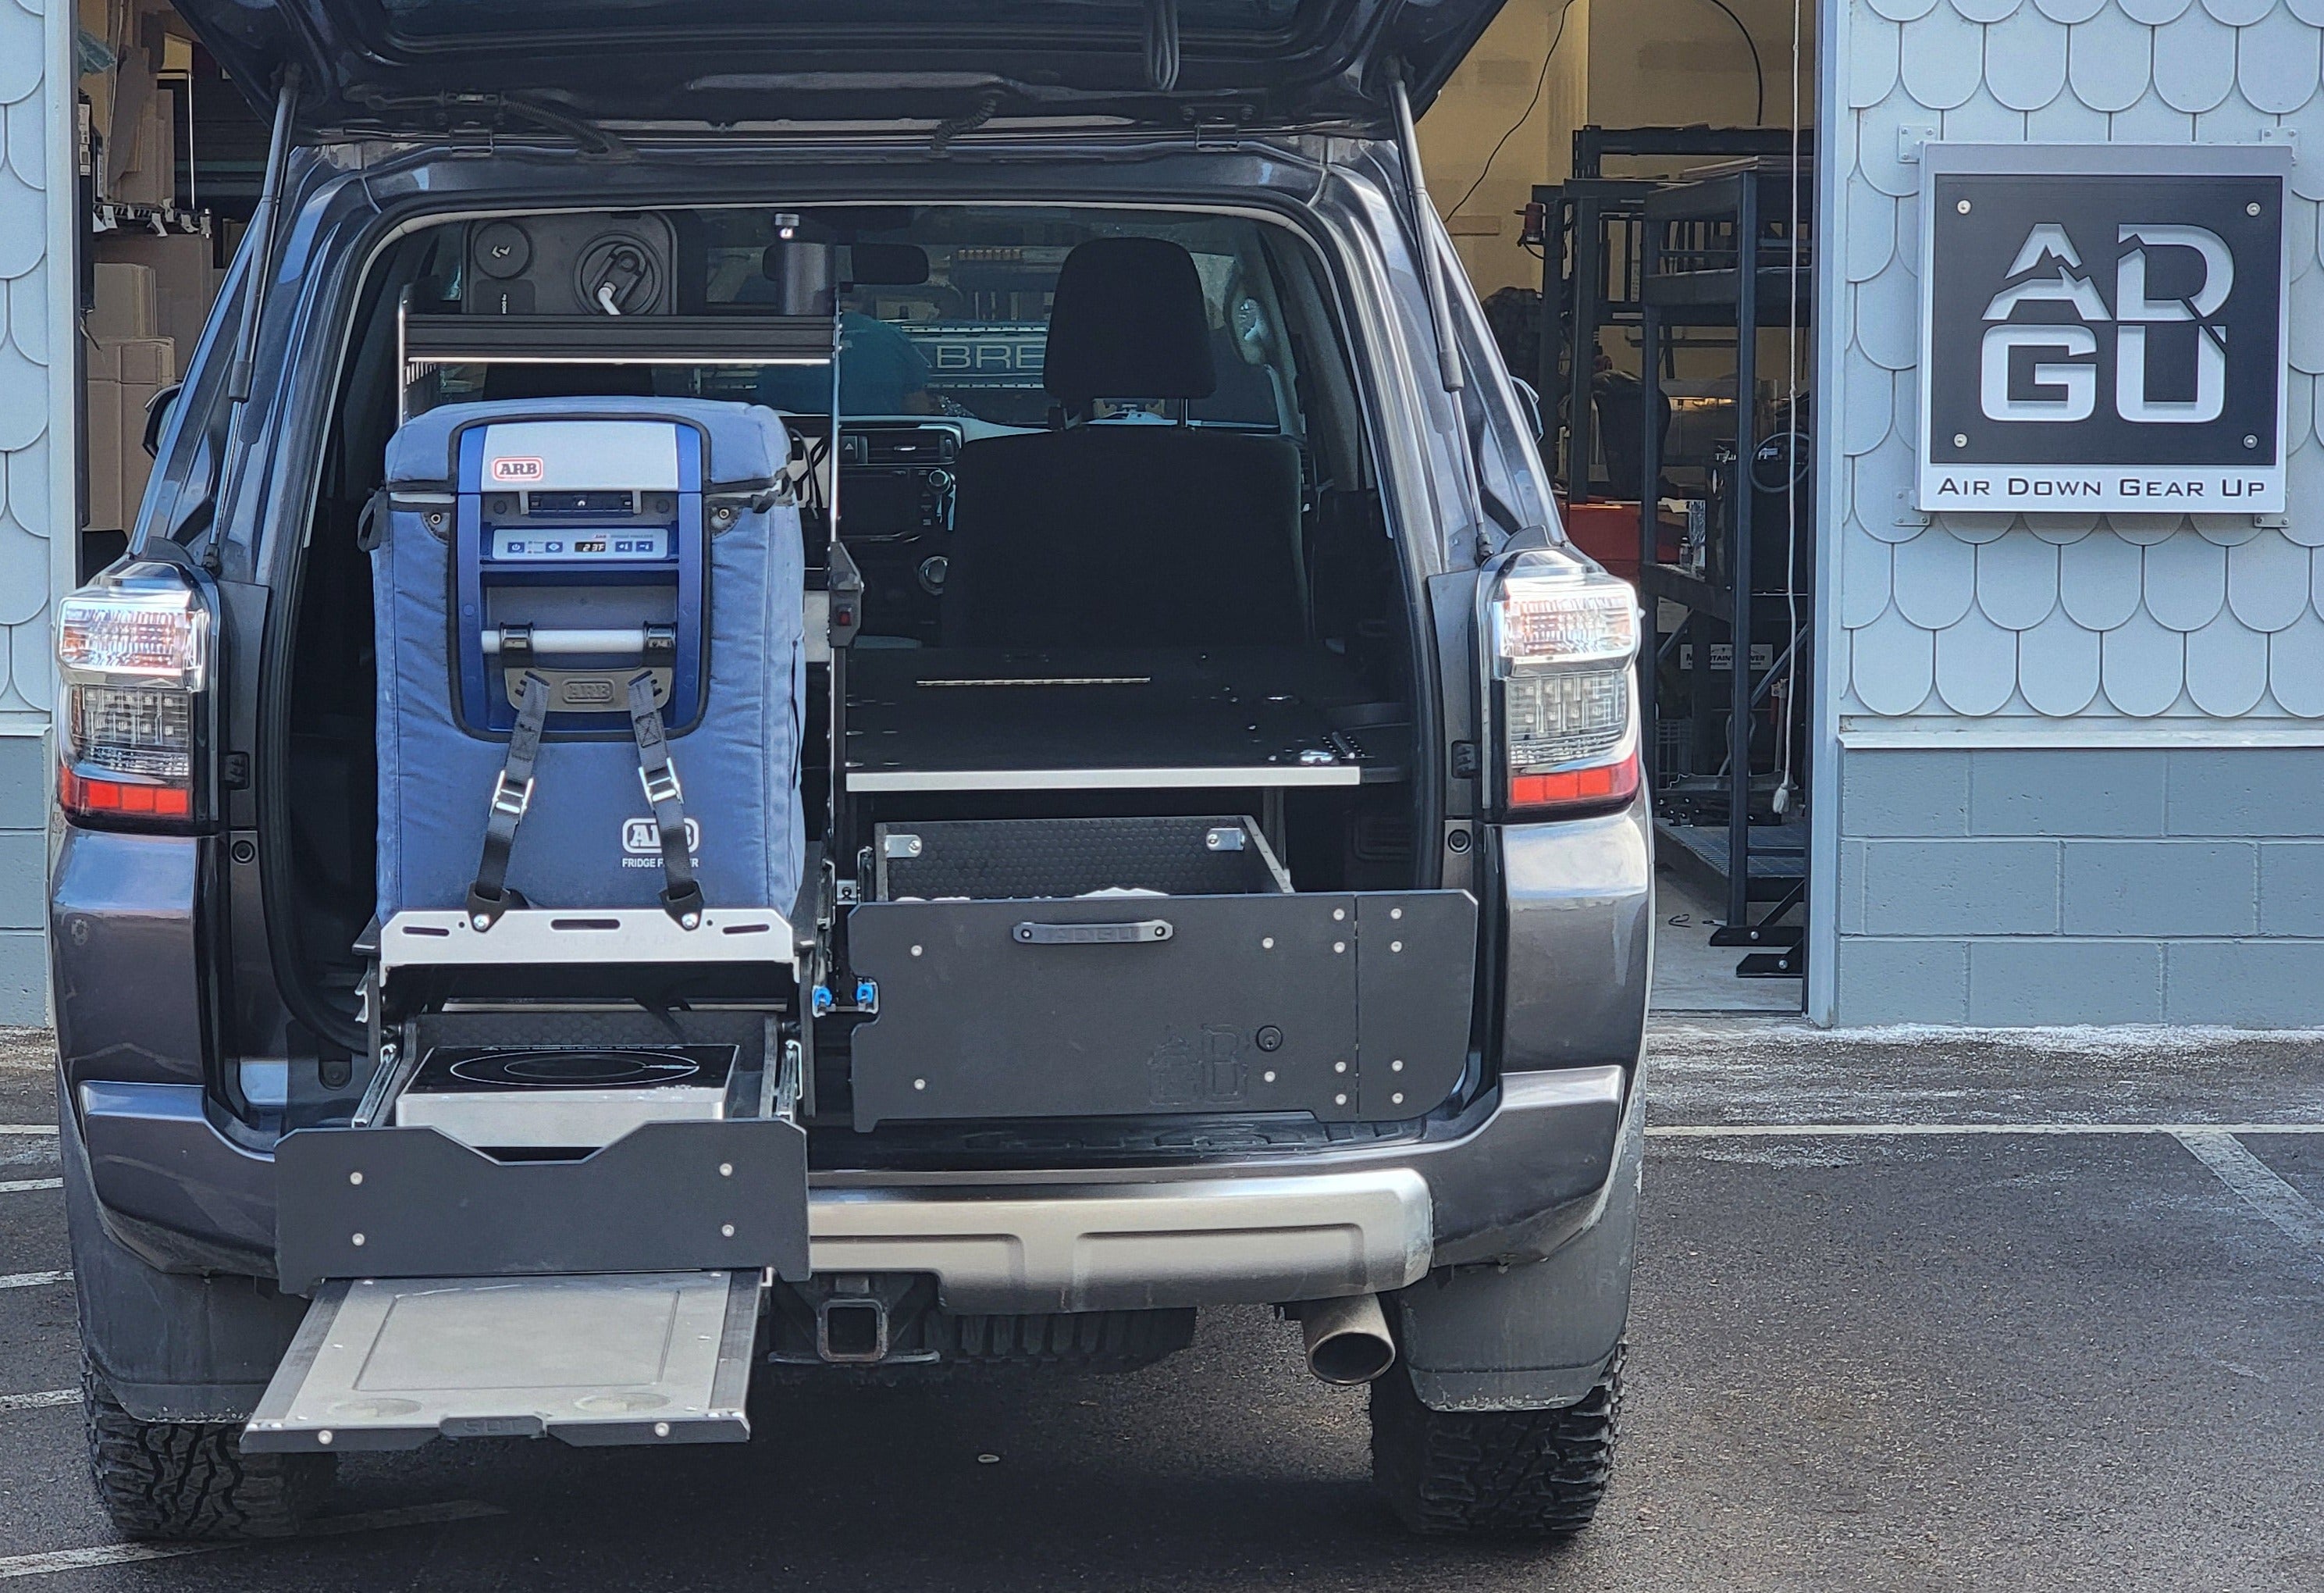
127,302
186,284
134,93
124,375
145,172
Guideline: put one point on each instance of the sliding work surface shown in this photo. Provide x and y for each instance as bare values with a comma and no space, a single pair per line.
929,719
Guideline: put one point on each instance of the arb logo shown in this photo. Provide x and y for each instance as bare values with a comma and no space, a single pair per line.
518,471
641,840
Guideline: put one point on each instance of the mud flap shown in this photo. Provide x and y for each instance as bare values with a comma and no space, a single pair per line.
1537,1335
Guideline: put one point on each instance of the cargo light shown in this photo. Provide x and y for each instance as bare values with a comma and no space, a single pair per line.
1559,635
134,662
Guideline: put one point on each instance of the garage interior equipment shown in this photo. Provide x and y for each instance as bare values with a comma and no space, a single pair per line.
1654,261
1731,251
168,154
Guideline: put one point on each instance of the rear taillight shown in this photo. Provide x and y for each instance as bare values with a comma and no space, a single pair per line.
134,662
1560,635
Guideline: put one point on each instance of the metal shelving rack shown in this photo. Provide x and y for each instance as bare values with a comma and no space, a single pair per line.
1589,262
1720,252
1597,218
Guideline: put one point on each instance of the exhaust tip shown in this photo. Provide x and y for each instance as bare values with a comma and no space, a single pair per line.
1350,1358
1348,1340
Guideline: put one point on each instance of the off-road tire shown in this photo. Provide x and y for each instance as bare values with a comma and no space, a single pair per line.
1514,1474
190,1479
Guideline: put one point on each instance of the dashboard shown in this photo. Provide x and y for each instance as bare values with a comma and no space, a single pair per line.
895,514
896,481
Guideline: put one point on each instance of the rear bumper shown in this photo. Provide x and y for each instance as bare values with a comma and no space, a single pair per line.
1512,1185
1205,1242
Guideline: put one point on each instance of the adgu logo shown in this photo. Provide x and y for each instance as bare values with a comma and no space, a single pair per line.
2102,328
2047,271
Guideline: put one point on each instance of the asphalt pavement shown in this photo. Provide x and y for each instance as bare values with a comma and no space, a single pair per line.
1914,1310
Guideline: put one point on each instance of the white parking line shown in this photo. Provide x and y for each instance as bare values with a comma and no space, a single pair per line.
2214,1144
23,1186
47,1129
56,1559
39,1401
2257,1185
32,1280
371,1521
1899,1130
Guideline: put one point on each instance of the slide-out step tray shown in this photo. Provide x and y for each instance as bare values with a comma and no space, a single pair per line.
611,1358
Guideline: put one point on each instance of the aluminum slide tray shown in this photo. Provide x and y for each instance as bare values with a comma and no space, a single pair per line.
631,1358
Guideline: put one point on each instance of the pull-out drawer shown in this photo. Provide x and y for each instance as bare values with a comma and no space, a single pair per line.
1350,1006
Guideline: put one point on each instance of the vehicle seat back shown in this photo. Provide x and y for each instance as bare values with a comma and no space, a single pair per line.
1126,533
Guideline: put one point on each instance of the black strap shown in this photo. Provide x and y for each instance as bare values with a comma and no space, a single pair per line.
490,897
681,897
371,521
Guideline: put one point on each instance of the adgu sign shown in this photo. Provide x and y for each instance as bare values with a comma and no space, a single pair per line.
2102,328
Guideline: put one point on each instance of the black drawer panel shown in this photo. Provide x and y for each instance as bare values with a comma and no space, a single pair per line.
1156,1004
667,1196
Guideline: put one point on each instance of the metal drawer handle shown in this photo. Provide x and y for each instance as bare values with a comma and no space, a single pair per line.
1145,932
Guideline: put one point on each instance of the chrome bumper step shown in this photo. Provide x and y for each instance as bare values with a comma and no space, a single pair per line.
615,1358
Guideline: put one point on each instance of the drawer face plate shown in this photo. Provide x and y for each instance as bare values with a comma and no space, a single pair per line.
413,1202
1245,1003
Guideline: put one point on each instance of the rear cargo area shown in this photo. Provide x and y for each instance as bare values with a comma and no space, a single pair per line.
1103,738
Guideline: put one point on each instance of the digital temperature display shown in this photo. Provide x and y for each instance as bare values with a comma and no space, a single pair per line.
563,545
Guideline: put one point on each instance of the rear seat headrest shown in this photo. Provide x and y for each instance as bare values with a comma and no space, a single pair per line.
1127,322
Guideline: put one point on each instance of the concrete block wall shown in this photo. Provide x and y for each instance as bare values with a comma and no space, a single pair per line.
23,879
2078,761
2088,885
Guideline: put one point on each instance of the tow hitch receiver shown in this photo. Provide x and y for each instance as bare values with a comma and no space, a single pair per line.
629,1358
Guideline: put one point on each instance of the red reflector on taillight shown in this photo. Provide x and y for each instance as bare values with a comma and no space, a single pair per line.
126,799
1606,783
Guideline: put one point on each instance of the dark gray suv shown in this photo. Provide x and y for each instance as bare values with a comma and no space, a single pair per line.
838,690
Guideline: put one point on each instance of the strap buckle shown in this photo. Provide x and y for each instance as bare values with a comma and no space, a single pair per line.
510,799
661,784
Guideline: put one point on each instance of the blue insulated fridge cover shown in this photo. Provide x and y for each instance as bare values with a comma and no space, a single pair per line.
587,839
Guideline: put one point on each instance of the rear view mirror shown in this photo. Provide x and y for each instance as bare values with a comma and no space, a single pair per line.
800,269
886,265
157,415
